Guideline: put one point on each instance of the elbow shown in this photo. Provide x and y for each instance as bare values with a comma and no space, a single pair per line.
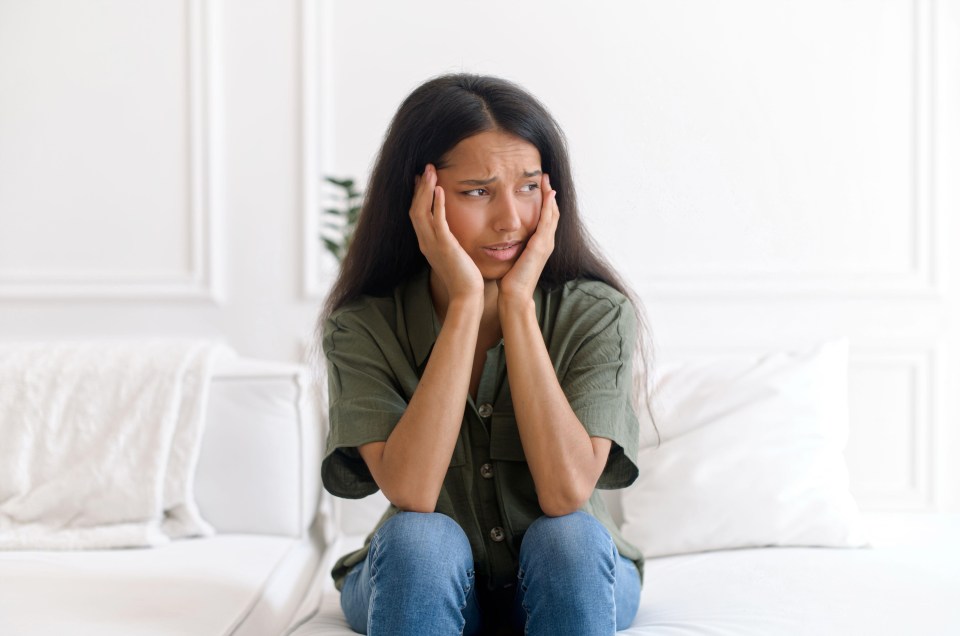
412,502
562,502
558,510
416,507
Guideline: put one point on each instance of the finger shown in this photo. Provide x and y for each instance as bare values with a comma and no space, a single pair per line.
423,193
439,208
420,207
547,188
428,183
555,209
549,209
548,216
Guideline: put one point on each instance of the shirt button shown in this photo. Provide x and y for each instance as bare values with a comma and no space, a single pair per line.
497,534
486,471
485,410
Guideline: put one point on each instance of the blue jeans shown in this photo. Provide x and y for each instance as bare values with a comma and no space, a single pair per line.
418,580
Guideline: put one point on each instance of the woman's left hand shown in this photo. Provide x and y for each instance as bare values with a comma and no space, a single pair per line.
518,284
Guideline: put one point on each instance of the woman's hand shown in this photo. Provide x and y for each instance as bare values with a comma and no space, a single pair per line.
518,284
447,258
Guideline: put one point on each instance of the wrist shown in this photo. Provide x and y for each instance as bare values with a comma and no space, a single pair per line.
508,304
468,306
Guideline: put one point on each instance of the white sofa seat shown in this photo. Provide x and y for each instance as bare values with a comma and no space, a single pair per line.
256,482
908,582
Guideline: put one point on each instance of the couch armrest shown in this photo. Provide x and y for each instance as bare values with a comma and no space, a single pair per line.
259,465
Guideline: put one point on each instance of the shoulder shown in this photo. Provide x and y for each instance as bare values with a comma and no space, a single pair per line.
383,311
591,291
590,301
361,309
375,315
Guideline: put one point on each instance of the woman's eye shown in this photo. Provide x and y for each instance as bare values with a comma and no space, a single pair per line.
479,192
530,187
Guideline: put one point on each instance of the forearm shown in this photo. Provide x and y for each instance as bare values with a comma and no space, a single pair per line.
564,460
411,465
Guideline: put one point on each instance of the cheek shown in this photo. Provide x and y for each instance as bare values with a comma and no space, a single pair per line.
530,214
461,223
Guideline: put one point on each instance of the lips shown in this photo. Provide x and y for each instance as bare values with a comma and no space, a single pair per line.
503,251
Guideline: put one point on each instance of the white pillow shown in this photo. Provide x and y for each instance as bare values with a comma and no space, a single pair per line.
751,455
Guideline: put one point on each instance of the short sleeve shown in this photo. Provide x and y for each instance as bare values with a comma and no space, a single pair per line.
365,396
598,378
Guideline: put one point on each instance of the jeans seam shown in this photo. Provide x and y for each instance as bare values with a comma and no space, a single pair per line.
373,552
466,597
521,583
614,553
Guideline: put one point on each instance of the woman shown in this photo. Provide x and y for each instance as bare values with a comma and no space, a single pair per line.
480,355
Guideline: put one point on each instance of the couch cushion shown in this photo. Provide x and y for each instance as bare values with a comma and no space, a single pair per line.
751,456
190,587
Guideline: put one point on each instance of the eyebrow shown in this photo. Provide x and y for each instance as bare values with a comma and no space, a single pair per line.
483,182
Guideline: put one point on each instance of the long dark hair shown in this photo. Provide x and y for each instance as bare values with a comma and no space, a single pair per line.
434,118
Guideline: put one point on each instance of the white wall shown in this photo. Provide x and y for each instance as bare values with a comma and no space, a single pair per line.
765,174
150,172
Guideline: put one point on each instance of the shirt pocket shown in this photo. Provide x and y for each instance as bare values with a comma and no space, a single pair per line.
516,492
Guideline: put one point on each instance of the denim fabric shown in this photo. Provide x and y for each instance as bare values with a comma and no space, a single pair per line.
418,580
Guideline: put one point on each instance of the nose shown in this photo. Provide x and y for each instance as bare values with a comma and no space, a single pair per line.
507,214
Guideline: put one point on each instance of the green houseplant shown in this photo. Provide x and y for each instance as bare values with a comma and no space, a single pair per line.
339,217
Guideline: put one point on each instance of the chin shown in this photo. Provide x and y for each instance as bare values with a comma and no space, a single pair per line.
493,274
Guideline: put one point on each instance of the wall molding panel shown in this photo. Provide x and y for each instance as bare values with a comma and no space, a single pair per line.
918,279
200,275
893,450
316,104
921,280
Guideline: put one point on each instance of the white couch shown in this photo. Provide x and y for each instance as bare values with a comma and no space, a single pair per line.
745,514
256,482
267,570
908,582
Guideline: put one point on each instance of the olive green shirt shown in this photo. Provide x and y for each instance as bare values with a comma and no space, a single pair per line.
376,350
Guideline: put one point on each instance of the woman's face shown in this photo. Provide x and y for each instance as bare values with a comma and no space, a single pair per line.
491,184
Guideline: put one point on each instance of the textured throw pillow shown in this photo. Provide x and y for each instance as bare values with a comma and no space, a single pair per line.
751,455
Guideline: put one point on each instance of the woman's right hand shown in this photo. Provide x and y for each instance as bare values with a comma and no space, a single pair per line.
447,258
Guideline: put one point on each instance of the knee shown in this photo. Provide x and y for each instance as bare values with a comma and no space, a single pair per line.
575,528
573,539
429,541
